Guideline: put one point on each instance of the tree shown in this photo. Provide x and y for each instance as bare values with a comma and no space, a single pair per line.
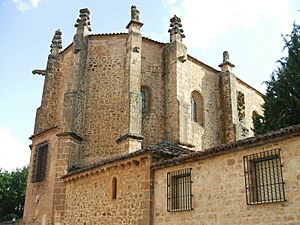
12,193
282,99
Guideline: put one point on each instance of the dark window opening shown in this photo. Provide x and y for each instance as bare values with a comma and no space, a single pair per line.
114,188
144,102
194,109
39,163
179,190
263,177
197,108
146,99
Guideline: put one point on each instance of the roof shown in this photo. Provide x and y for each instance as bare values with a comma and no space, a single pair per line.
233,146
164,150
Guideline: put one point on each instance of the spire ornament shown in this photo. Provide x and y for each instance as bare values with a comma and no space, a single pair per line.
226,65
134,23
56,43
176,31
84,19
135,13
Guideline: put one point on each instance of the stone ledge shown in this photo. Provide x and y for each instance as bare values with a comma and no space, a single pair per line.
130,135
70,134
43,132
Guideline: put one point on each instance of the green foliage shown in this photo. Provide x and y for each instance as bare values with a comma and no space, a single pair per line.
12,193
282,99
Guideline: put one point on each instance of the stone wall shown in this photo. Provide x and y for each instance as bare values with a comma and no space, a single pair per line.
89,194
205,81
152,79
218,189
39,195
105,88
253,102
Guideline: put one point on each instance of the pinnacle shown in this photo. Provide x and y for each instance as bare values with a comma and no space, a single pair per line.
56,43
176,28
84,19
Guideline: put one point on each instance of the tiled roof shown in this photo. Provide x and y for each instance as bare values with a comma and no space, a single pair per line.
221,149
165,150
108,34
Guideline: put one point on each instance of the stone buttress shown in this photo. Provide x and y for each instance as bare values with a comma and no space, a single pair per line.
132,138
177,108
228,89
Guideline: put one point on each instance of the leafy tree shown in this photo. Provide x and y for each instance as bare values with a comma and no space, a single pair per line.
12,193
282,99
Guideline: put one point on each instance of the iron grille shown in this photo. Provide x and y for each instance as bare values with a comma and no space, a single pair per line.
179,190
263,177
39,163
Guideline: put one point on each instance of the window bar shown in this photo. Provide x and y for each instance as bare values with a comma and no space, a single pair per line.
191,193
270,178
281,178
245,178
275,172
182,191
168,192
251,180
263,170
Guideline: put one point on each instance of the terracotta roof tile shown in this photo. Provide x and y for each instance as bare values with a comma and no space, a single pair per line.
165,150
221,149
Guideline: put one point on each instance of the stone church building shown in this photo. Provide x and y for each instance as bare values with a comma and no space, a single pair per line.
134,131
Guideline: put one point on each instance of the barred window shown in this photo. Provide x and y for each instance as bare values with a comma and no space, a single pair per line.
263,177
39,162
179,190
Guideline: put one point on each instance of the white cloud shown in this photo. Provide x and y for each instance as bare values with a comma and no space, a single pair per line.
35,3
21,5
204,21
25,5
13,154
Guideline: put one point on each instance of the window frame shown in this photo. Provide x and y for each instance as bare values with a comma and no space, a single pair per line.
40,162
264,178
145,100
197,108
179,190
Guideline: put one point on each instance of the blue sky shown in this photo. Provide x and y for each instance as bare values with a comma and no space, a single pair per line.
249,30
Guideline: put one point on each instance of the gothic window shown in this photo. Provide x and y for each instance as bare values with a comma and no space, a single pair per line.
39,162
145,95
197,108
179,190
263,177
114,188
194,109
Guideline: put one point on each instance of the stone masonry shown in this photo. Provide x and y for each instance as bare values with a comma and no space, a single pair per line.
92,111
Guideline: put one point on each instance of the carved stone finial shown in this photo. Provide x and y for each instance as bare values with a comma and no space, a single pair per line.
225,56
226,65
134,22
84,19
56,43
135,13
176,31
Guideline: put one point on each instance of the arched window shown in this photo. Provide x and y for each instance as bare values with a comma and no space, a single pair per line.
144,100
194,109
145,95
197,108
114,188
